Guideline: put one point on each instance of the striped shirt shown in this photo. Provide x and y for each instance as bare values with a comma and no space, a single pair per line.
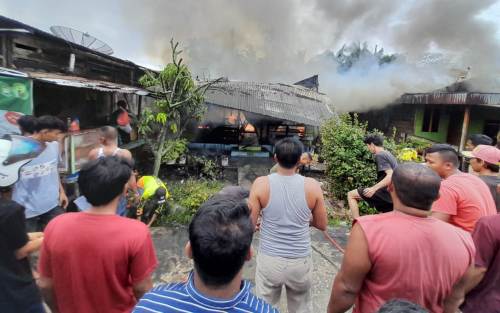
183,297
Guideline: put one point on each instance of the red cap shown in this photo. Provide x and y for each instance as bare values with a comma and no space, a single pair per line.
488,154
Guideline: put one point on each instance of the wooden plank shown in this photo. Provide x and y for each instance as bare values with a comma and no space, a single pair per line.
465,128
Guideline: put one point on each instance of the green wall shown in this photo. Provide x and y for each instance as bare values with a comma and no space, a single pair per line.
478,116
440,135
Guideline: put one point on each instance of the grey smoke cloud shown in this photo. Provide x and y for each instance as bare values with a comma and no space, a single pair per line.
286,40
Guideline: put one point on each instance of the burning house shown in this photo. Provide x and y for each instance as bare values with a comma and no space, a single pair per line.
448,115
248,116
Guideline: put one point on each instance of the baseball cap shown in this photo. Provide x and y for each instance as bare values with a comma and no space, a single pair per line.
15,152
486,153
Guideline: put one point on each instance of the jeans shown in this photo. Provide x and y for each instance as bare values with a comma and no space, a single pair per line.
38,223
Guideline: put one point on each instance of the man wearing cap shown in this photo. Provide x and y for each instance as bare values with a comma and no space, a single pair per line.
464,198
484,160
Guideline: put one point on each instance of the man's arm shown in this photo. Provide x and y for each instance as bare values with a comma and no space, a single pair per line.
254,203
471,279
143,264
47,290
34,244
132,183
319,215
92,154
355,266
63,199
369,192
142,287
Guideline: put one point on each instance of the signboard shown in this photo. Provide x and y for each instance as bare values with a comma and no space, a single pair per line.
16,94
76,148
8,122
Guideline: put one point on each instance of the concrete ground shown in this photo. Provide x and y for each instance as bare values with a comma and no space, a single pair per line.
174,266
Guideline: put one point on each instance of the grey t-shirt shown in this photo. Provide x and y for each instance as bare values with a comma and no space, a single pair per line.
38,186
385,161
493,182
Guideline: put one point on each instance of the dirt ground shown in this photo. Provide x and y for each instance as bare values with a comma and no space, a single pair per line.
174,266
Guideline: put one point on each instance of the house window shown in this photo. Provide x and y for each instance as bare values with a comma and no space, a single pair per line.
431,120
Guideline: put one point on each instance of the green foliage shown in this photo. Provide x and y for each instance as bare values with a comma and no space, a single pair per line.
173,149
349,163
178,101
187,197
358,53
208,168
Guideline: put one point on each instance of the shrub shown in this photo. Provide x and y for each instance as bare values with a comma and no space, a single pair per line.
187,197
349,164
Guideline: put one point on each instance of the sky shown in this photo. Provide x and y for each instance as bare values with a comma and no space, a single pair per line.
288,40
109,21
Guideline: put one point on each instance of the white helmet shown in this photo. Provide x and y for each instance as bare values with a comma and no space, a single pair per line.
16,151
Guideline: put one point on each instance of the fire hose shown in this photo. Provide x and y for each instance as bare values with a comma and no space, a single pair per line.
333,242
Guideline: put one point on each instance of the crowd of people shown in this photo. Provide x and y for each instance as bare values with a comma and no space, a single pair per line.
434,247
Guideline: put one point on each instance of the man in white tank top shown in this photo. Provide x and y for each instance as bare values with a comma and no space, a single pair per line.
108,138
288,205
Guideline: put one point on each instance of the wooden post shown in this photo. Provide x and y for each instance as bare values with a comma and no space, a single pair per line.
465,128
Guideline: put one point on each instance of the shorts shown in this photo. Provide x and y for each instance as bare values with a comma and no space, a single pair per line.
381,200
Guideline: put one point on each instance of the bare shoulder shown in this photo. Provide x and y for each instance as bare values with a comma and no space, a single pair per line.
311,184
93,154
260,182
124,153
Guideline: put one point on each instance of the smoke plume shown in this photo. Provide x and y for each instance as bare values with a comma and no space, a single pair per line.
288,40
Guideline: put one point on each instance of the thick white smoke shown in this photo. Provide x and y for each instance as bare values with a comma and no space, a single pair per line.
288,40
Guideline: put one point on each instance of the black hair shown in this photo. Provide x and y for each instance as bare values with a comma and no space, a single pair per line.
51,123
376,139
401,306
492,167
103,180
27,124
288,152
446,152
480,139
122,104
220,235
416,185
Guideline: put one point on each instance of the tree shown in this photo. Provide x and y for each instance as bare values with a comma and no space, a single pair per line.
179,100
356,53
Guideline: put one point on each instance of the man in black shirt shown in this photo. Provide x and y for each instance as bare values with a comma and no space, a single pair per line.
377,196
18,290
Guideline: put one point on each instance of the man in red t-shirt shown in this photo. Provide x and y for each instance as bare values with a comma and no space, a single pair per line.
485,297
464,198
404,254
96,261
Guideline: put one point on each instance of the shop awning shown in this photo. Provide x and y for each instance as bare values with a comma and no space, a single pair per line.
80,82
74,81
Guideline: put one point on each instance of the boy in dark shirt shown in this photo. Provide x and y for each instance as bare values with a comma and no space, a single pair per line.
377,196
18,290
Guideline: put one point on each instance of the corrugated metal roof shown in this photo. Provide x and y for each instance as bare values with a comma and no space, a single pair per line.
453,98
80,82
74,81
286,102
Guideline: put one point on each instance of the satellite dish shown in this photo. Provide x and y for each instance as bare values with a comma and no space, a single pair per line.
81,38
